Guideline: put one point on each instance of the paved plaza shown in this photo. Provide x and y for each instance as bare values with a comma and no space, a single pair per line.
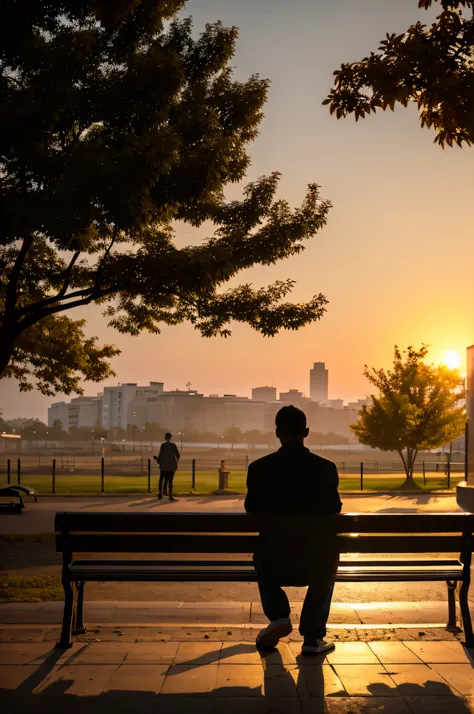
219,670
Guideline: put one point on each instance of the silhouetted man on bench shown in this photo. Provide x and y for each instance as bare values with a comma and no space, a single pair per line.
293,480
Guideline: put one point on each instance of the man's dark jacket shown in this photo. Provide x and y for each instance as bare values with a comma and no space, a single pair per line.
294,481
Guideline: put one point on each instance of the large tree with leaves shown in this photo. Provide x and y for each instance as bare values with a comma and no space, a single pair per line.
430,66
417,408
116,122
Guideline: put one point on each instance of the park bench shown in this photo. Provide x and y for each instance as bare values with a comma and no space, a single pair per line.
18,493
209,534
11,500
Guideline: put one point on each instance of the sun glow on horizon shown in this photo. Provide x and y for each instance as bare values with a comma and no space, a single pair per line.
452,360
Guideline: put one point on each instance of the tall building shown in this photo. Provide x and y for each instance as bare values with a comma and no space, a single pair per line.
264,394
79,412
117,400
318,382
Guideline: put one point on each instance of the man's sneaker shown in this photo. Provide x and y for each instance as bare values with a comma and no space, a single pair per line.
271,635
173,499
316,646
160,496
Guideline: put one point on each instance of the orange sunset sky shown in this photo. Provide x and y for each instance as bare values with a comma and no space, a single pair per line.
396,260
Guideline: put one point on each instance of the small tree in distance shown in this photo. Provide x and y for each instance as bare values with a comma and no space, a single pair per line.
416,409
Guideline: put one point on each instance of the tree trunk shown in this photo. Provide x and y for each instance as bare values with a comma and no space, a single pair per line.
7,343
409,463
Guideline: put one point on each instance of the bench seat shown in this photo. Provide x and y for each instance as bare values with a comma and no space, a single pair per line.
243,571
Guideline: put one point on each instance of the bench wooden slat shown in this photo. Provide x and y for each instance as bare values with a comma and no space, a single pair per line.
246,573
110,522
360,562
232,543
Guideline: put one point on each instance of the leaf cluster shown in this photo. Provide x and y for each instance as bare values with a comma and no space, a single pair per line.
430,66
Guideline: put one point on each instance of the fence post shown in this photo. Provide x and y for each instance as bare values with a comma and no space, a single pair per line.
424,474
449,474
102,474
193,477
53,485
246,461
18,470
9,471
361,475
149,475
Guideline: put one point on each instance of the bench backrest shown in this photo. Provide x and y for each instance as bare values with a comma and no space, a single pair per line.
237,532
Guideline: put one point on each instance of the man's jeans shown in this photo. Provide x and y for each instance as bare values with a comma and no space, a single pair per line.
315,611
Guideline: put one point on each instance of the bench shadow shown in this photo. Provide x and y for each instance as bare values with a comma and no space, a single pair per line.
281,687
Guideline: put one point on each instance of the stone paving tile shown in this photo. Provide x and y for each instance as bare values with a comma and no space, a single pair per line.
284,681
24,653
439,652
143,679
418,680
182,704
393,653
295,647
13,676
83,681
239,653
355,705
352,653
459,676
236,681
152,653
322,681
439,705
186,679
282,654
254,705
104,653
198,653
366,680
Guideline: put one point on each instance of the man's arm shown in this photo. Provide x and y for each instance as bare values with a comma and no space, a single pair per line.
178,455
252,499
159,455
333,503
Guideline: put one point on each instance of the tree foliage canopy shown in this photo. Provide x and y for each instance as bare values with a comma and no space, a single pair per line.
417,408
431,66
117,121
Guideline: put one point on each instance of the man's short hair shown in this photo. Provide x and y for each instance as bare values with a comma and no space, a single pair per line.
168,435
291,420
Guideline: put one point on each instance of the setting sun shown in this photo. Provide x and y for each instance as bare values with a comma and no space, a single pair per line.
452,360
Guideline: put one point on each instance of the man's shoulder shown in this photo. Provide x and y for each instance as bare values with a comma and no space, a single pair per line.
264,462
321,462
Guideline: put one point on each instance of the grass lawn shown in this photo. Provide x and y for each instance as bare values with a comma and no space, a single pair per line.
206,482
30,588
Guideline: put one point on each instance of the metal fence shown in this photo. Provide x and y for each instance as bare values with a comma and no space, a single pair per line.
109,474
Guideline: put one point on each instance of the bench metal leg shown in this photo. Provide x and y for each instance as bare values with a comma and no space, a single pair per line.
452,625
69,602
463,599
78,624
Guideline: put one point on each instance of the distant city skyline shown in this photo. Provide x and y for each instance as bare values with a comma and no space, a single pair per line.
396,258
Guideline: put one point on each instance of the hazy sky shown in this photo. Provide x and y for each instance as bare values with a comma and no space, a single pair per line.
396,259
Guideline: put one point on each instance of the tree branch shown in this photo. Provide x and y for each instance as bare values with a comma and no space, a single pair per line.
60,295
100,267
11,295
33,319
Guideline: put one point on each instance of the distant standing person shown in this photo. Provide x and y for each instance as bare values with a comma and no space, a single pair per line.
167,459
